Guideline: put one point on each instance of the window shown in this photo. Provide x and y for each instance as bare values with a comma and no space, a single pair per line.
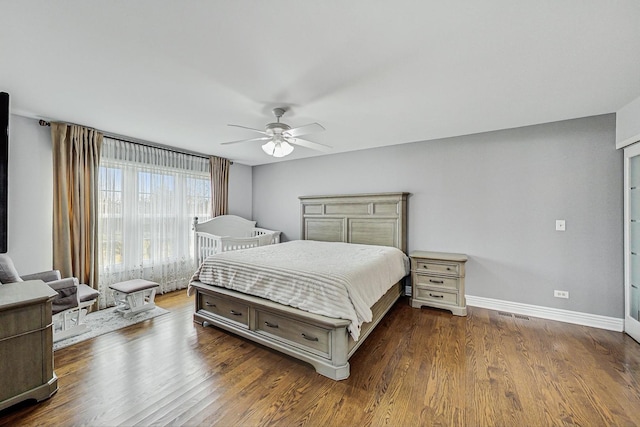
148,198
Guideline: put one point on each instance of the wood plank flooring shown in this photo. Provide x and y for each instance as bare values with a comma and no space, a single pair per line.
418,368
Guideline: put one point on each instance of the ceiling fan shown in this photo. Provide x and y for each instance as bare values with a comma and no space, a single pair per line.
280,136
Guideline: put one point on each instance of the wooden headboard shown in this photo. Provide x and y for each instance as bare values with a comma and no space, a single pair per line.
371,219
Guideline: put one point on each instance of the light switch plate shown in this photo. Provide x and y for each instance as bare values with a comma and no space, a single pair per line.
560,225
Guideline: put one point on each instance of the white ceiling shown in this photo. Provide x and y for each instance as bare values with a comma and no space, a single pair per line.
373,73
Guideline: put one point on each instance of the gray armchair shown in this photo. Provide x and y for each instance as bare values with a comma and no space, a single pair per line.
67,289
68,308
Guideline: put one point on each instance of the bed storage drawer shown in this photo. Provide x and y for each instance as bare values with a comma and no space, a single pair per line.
303,335
230,309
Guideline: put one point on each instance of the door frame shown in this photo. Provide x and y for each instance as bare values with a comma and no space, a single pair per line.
631,325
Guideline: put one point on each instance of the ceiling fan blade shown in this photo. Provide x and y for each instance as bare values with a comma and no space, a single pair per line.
262,138
304,130
255,130
309,144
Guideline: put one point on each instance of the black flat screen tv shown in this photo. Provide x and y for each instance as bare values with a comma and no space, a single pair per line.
4,165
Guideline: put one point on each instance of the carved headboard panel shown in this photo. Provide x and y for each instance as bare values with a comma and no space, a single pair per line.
372,219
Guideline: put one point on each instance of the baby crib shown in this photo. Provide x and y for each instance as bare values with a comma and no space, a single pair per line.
228,233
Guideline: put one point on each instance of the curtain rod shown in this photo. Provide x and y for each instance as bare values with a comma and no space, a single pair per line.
139,142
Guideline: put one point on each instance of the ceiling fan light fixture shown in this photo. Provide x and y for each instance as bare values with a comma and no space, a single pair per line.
283,148
269,147
278,148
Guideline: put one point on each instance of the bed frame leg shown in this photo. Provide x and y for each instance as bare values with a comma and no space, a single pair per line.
334,372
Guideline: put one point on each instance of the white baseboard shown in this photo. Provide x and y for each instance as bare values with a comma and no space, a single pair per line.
575,317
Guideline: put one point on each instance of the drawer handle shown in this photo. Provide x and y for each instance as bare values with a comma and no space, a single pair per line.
308,337
236,313
436,281
448,268
208,304
271,325
435,296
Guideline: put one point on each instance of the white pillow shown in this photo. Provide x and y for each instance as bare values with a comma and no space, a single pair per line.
8,273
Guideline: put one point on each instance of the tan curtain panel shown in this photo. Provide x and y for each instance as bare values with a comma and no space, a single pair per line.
76,156
219,185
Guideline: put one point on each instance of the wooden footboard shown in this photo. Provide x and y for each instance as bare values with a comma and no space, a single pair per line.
322,341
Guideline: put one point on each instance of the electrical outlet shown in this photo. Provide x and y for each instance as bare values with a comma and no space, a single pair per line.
561,294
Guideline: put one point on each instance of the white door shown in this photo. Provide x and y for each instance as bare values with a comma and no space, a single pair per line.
632,241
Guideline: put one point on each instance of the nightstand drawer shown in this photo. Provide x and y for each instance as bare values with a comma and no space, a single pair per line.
439,281
436,267
430,295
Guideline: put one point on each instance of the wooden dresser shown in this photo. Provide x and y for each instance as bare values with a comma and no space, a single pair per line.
437,280
26,343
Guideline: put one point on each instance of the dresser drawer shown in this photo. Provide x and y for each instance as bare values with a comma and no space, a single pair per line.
303,335
430,295
439,281
436,266
230,309
21,320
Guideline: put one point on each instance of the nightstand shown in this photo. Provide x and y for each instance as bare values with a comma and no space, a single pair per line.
437,280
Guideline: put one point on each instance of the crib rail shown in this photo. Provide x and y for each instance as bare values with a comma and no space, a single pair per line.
275,235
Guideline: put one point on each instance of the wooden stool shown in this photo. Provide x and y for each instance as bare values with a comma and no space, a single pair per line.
134,296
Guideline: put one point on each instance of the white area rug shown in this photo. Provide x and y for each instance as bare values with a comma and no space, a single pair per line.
107,320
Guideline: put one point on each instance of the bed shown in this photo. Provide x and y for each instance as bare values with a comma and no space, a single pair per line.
370,222
229,233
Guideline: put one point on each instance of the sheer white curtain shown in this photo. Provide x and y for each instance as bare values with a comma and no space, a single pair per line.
148,198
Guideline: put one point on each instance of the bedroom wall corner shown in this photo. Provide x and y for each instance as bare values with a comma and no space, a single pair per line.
240,189
628,124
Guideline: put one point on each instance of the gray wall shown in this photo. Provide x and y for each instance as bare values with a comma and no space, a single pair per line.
494,196
31,194
240,181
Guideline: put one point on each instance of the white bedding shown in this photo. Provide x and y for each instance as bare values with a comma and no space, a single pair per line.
340,280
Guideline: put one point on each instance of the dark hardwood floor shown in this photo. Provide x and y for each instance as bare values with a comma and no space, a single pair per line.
419,367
